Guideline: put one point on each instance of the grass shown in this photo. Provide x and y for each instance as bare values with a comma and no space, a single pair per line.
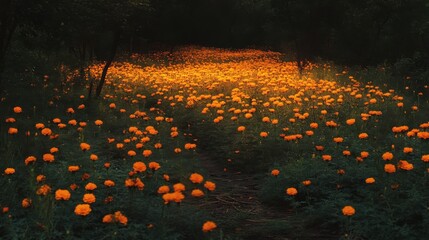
165,103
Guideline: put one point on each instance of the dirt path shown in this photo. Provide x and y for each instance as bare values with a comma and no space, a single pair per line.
236,203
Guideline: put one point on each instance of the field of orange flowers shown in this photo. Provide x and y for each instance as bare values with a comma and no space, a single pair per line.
347,152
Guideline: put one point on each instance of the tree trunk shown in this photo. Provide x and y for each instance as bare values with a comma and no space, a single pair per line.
108,62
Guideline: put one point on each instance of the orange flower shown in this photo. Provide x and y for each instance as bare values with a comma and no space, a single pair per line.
46,131
10,120
154,166
40,178
314,125
211,186
209,226
73,168
26,203
263,134
166,177
326,157
47,157
196,178
43,190
12,131
291,191
363,136
40,125
364,154
109,183
119,217
179,187
17,109
425,158
389,168
387,156
338,139
82,209
351,121
348,211
163,189
306,182
9,171
408,150
346,153
275,172
62,194
85,146
147,153
197,193
370,180
405,165
90,186
88,198
131,153
109,218
241,128
93,157
98,122
139,166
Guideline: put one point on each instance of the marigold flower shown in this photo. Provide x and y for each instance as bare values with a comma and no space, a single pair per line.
40,125
109,183
209,226
263,134
88,198
12,131
98,122
85,146
147,153
119,217
93,157
363,135
46,132
109,218
47,157
241,128
389,168
139,167
163,189
131,153
197,193
196,178
370,180
387,156
179,187
62,194
211,186
40,178
90,186
306,182
9,171
17,109
43,190
82,209
425,158
291,191
408,150
26,203
73,168
348,211
405,165
350,121
154,166
326,157
275,172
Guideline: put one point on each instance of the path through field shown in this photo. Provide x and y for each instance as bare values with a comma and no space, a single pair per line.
237,200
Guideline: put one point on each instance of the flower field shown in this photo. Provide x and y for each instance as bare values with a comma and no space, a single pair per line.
341,152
